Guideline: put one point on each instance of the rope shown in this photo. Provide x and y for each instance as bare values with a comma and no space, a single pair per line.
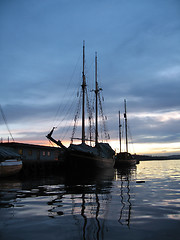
131,138
5,120
103,119
76,117
90,116
60,107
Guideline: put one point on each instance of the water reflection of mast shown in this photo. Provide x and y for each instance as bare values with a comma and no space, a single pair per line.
125,203
129,196
96,231
97,213
90,204
122,201
83,215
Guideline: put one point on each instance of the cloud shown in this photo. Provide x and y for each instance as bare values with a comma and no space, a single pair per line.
171,73
138,60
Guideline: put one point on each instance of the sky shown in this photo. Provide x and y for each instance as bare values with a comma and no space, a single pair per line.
138,51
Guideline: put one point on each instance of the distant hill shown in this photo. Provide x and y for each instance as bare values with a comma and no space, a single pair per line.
151,158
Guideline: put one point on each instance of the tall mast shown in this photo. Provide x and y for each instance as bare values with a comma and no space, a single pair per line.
125,117
83,96
119,132
96,93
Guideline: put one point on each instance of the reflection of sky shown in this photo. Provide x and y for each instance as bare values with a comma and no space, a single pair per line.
138,59
161,188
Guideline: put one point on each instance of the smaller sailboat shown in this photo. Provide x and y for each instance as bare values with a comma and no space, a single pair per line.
124,158
10,162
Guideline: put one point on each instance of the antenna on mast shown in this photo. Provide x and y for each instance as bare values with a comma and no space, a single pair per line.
120,132
125,117
96,93
83,96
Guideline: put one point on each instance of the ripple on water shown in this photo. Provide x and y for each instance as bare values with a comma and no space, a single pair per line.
141,203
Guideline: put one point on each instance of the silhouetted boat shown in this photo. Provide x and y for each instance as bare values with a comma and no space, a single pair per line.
83,155
124,158
10,163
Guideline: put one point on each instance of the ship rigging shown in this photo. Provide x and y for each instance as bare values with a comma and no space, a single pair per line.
83,155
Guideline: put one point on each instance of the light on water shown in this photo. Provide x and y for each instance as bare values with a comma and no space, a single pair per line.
137,203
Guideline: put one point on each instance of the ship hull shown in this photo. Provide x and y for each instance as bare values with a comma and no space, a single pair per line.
124,162
124,159
10,167
87,161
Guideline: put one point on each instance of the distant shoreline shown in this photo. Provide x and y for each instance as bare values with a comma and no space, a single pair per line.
156,158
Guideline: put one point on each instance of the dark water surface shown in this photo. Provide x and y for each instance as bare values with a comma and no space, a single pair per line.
139,203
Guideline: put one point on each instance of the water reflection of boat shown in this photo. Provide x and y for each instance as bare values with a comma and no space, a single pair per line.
81,203
10,163
8,191
88,203
124,158
83,156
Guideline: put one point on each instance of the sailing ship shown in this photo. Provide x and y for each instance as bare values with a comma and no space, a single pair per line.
124,158
84,156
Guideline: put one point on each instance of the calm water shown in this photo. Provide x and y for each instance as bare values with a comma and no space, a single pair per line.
141,203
